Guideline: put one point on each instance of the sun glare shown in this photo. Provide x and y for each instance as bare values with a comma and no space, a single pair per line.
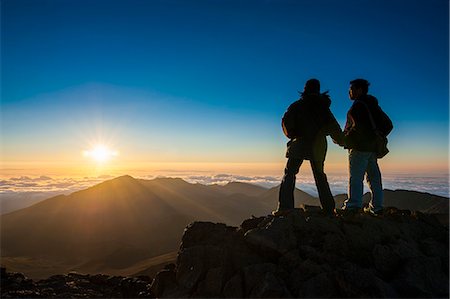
100,153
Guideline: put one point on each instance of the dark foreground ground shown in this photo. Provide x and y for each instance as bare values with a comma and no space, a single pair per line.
303,254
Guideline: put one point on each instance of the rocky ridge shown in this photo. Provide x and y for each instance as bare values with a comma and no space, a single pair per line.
305,254
302,254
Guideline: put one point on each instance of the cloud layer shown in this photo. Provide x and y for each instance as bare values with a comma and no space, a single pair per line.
433,184
48,184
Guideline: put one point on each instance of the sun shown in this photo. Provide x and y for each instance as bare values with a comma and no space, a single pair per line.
100,153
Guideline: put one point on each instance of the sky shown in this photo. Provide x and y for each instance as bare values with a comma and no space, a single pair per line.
201,86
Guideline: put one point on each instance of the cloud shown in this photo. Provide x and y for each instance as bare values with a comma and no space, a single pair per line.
47,184
222,179
338,183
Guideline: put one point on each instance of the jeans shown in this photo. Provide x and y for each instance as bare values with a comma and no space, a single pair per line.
286,196
360,164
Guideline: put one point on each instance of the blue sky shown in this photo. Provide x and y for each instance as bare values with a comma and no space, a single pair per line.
208,81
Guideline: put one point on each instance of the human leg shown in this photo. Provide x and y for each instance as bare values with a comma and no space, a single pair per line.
323,188
286,195
357,168
375,184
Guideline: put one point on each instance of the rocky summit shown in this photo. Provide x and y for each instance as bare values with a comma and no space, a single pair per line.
300,254
305,254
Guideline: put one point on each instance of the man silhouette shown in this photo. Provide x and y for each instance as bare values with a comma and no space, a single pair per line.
311,122
360,140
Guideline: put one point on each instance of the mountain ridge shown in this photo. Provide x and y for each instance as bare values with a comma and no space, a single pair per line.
243,188
125,217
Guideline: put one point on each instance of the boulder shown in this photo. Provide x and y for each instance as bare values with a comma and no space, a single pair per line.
274,239
270,286
305,254
422,277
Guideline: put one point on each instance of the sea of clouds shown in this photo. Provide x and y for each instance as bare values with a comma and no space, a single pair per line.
434,184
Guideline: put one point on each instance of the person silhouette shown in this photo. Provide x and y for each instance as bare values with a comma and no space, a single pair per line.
306,123
364,114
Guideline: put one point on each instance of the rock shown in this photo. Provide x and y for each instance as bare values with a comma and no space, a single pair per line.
427,218
206,233
302,254
234,288
422,277
290,260
311,209
164,280
2,273
22,294
99,279
359,282
307,270
385,260
432,248
323,225
319,286
310,252
74,285
170,267
241,256
213,283
335,243
406,249
145,278
305,254
251,223
114,280
357,238
270,287
131,287
256,273
194,262
275,239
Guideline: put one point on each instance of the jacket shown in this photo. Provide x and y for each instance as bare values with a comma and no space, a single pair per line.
359,131
315,121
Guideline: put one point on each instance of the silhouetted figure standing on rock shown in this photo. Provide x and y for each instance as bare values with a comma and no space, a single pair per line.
306,123
360,139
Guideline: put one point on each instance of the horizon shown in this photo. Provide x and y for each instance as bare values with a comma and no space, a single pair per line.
45,185
196,88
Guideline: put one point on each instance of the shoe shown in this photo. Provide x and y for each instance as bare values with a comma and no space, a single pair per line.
330,214
350,211
281,212
372,212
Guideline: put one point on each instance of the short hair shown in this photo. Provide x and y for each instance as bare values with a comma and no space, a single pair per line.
361,83
312,86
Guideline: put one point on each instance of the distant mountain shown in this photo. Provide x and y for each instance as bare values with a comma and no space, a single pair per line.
416,201
117,215
14,201
407,200
118,223
115,226
300,197
240,188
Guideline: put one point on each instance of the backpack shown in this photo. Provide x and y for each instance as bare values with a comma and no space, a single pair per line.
289,121
300,117
382,126
384,123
